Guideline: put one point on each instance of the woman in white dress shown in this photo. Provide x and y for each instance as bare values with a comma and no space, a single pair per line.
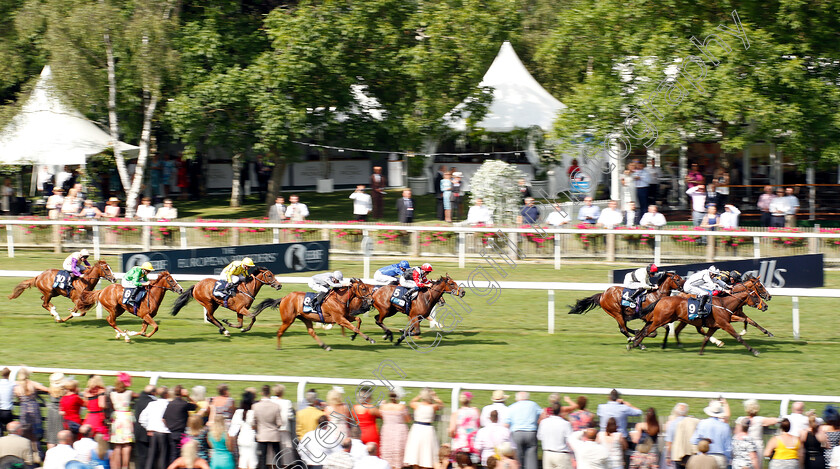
628,187
242,427
421,447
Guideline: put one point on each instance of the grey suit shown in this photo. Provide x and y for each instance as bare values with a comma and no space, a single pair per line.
268,419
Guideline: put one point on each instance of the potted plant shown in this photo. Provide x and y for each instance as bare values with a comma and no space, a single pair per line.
418,182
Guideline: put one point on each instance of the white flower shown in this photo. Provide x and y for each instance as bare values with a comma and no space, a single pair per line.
495,183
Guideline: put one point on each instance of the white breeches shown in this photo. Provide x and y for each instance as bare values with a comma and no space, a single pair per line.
379,277
318,287
699,291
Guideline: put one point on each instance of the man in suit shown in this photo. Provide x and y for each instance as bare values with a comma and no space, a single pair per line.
631,215
377,185
14,444
268,418
405,207
438,192
277,212
287,411
175,417
141,438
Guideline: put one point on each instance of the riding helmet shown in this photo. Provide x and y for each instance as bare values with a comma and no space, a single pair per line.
652,269
147,266
248,261
404,265
426,267
338,275
84,253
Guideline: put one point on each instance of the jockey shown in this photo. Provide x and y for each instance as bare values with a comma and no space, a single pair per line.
640,280
323,284
702,284
415,279
234,273
391,274
134,280
71,264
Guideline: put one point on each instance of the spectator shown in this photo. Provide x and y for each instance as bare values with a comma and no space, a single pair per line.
394,430
557,217
614,442
702,460
366,415
644,456
641,178
492,435
151,419
698,203
779,208
112,210
122,422
506,460
784,449
217,438
764,205
464,423
589,213
242,427
167,212
405,207
444,460
797,418
199,396
554,398
297,211
145,211
713,199
341,459
311,448
8,194
169,174
716,430
337,411
457,195
757,424
277,212
14,444
197,431
72,204
7,393
831,430
628,185
377,186
812,442
63,178
649,428
479,214
362,203
793,208
610,217
834,461
26,392
54,203
618,408
85,445
357,449
175,417
529,214
141,443
744,447
654,176
446,193
55,422
694,177
711,220
287,413
721,180
307,418
652,219
421,446
498,397
524,190
588,453
438,192
729,218
371,461
268,420
58,456
189,458
522,419
581,418
678,445
90,212
553,433
630,217
573,167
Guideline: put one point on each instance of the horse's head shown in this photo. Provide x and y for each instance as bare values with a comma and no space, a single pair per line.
265,276
671,281
451,286
360,289
166,281
105,271
755,300
755,284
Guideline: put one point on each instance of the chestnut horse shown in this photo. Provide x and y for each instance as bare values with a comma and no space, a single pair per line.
672,308
239,302
339,307
610,302
85,283
111,299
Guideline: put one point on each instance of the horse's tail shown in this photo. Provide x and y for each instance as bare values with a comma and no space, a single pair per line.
182,300
586,304
87,300
647,309
21,287
264,304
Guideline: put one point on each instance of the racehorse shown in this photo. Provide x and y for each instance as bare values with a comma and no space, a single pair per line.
111,299
45,280
239,302
422,305
610,302
672,308
748,282
337,308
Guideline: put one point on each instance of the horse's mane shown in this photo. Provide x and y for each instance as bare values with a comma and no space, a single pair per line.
256,269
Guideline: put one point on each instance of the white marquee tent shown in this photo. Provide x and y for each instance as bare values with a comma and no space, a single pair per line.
48,132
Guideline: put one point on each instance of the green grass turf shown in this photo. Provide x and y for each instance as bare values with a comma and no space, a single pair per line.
504,342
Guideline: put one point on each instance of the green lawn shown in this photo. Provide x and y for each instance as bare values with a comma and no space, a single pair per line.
503,342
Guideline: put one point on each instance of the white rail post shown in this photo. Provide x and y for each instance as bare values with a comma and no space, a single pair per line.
366,248
276,232
183,233
756,247
154,379
558,250
96,249
456,394
795,300
147,238
551,311
10,239
462,250
301,391
98,310
657,249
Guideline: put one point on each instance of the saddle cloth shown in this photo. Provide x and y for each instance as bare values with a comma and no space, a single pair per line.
219,288
308,299
62,280
694,307
626,301
398,297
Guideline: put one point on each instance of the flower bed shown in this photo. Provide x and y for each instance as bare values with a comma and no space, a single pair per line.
737,239
119,229
786,241
253,229
35,229
833,242
684,239
636,236
588,239
212,228
348,235
538,240
427,238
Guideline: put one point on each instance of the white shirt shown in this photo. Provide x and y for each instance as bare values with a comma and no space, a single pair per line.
793,204
372,462
655,219
146,212
798,422
834,462
312,453
489,438
358,450
779,206
698,199
83,449
479,214
730,219
152,416
167,213
629,217
589,211
500,408
297,212
553,432
58,456
555,218
286,411
653,174
362,203
610,218
588,454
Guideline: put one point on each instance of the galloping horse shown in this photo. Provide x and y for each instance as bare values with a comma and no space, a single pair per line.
672,308
610,302
238,302
111,299
337,308
44,281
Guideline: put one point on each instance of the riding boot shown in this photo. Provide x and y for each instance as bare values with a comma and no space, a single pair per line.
703,300
319,298
637,293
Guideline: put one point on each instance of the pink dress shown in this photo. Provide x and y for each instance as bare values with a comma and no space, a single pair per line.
394,432
467,426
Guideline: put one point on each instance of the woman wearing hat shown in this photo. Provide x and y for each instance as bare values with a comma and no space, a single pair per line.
55,422
112,210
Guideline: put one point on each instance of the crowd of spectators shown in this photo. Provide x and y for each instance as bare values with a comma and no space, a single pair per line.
158,427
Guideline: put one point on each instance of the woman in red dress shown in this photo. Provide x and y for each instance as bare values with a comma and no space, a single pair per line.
70,407
367,414
95,395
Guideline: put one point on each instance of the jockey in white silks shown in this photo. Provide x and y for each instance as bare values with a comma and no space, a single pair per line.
640,279
702,284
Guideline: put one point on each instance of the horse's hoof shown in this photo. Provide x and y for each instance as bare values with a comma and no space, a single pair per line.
327,348
642,347
226,333
371,341
770,334
719,344
652,334
756,353
743,332
629,346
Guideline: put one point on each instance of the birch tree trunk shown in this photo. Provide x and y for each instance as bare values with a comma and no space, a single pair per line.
112,111
235,193
145,137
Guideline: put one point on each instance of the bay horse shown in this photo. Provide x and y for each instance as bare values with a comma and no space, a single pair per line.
422,305
239,302
44,282
610,302
672,308
338,307
110,298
